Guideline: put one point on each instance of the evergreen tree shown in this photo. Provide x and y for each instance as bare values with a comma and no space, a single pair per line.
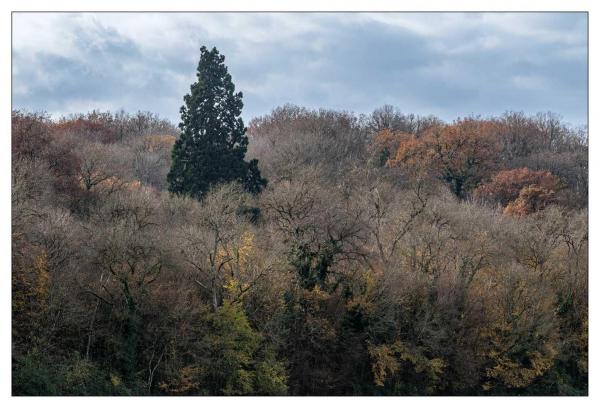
212,144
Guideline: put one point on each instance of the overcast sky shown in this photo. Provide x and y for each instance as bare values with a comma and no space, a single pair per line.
447,64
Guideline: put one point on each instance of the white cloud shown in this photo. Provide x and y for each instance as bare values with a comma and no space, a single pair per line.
449,62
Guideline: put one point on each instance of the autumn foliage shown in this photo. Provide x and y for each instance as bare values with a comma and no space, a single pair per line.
389,255
532,198
461,154
521,191
88,127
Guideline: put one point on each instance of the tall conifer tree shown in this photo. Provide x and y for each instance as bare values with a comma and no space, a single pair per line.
212,144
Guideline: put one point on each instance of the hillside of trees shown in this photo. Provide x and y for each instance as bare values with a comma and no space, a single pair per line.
389,254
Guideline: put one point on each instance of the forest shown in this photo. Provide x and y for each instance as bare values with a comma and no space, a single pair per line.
380,254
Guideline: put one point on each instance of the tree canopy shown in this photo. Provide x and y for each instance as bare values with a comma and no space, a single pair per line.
390,254
212,144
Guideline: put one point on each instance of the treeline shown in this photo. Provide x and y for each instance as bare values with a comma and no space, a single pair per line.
389,254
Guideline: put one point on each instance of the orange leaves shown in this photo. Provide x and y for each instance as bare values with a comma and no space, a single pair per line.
410,152
390,141
521,191
531,199
466,145
506,185
460,153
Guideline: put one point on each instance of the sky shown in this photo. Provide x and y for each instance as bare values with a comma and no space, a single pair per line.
447,64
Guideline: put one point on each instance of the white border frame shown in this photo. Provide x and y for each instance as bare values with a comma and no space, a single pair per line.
273,5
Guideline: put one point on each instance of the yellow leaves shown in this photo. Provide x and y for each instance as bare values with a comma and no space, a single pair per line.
31,285
432,367
234,287
244,250
513,363
384,363
362,298
515,374
317,293
115,380
239,251
368,281
231,285
42,287
436,367
387,361
236,259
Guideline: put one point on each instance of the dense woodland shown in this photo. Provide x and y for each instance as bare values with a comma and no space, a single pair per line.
322,253
389,254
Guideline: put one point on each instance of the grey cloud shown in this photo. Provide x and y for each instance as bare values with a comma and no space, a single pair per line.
466,64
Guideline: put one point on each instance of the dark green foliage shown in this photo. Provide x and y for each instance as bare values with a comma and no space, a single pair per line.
227,357
38,374
312,266
212,144
310,343
33,374
127,354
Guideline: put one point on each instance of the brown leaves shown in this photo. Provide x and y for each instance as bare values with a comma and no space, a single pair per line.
531,199
390,141
95,129
30,134
521,191
460,154
506,185
159,142
31,293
